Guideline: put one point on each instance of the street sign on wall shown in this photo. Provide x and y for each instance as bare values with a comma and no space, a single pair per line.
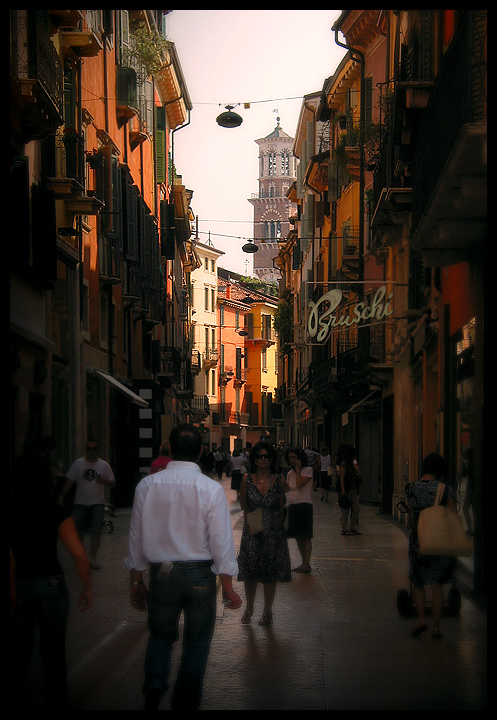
336,306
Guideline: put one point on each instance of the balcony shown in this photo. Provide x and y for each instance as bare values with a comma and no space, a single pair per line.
40,80
199,407
127,92
240,377
266,337
195,362
211,357
110,261
226,375
84,43
170,367
449,212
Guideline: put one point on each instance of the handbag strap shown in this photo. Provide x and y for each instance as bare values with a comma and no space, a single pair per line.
263,496
440,492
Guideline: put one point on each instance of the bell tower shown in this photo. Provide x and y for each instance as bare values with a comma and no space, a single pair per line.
272,209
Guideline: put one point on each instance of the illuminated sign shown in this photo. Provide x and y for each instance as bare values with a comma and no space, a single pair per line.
341,307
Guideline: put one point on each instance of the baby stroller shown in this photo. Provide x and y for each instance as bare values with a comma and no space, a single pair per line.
405,600
108,525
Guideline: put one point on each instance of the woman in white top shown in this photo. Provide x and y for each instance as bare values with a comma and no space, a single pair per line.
299,485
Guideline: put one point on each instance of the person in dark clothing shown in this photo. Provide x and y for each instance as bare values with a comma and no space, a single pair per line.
39,595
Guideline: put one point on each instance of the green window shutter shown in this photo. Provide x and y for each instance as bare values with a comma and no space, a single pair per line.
167,230
160,144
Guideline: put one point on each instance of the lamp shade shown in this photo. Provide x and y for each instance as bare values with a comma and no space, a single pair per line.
250,247
229,119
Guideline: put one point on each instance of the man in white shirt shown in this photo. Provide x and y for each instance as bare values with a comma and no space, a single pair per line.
91,475
181,530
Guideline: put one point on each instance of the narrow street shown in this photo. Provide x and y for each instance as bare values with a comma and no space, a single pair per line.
337,640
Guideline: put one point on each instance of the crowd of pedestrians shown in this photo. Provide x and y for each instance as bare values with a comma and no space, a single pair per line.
181,534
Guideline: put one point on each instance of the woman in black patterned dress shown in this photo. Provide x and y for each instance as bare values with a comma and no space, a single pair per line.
432,570
263,558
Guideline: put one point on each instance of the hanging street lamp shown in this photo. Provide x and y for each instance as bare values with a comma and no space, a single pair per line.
229,119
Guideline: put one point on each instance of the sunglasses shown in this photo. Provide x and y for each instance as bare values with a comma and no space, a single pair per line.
260,457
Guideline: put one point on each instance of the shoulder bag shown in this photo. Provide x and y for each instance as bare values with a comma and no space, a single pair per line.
254,519
441,531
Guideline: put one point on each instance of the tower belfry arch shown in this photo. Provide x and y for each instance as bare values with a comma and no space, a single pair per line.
272,209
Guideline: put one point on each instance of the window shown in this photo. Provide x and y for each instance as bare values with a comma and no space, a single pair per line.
285,162
264,359
272,163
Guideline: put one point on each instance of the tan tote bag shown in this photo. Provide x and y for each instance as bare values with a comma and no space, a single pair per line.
441,531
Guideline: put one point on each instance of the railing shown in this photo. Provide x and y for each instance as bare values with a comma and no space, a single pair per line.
200,403
44,64
74,155
350,241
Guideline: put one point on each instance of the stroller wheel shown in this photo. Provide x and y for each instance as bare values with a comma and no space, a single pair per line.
454,601
404,603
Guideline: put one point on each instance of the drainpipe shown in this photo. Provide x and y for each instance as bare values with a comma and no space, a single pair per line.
354,51
172,138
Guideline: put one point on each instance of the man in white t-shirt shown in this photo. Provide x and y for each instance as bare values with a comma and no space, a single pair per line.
91,475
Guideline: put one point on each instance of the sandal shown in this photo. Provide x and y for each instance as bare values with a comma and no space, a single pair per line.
301,570
354,532
246,618
420,628
346,532
266,619
436,634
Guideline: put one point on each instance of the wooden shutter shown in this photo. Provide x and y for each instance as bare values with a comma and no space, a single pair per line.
160,145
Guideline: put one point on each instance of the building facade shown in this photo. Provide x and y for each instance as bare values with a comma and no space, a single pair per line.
393,320
102,257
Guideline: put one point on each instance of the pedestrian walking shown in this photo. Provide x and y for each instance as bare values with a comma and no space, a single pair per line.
206,461
162,460
432,570
39,595
325,474
299,486
181,530
264,556
219,460
350,479
236,465
92,476
281,462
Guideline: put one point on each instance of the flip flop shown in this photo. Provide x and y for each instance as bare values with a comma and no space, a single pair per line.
416,632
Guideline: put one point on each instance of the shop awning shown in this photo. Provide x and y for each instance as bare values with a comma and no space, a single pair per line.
107,377
345,415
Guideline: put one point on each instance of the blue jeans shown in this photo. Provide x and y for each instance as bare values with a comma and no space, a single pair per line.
189,588
43,602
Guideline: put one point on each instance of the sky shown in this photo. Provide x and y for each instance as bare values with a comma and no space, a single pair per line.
268,58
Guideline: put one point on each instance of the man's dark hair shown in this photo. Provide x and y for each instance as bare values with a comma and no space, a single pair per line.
185,443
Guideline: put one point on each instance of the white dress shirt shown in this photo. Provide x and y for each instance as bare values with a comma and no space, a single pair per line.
181,514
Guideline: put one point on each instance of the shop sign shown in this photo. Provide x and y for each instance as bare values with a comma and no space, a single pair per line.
340,306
